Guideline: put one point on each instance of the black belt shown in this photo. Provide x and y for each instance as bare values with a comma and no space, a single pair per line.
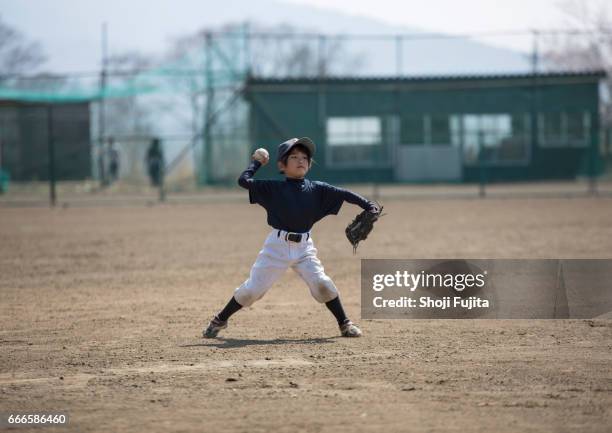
294,237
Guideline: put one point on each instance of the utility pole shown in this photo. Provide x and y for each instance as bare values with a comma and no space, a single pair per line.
399,51
535,55
534,127
210,96
102,113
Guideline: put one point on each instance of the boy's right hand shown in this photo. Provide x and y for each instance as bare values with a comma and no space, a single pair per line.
261,155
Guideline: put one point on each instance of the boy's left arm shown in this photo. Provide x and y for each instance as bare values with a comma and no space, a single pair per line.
356,199
333,197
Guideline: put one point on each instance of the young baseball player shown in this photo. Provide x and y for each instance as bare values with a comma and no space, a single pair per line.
293,206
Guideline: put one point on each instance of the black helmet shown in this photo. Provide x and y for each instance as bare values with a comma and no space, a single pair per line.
285,148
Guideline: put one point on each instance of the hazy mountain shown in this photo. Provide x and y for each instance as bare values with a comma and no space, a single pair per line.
70,32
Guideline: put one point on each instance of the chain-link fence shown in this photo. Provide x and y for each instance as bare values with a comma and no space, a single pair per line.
96,128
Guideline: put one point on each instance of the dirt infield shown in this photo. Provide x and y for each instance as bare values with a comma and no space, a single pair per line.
102,310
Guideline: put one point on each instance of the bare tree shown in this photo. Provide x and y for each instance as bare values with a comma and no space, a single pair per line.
186,54
587,41
586,45
18,55
273,51
211,65
44,82
287,51
124,114
127,118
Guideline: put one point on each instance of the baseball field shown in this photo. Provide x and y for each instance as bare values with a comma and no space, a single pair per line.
103,306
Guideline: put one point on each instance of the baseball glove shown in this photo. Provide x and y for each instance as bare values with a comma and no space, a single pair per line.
359,229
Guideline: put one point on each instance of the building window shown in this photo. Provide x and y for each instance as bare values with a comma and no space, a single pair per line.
439,134
412,129
491,138
425,129
353,141
564,129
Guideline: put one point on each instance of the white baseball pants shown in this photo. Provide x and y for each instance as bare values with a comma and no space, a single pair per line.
273,260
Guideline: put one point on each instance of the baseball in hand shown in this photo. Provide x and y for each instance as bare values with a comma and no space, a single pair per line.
261,155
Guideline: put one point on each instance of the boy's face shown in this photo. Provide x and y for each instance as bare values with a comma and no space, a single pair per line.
297,164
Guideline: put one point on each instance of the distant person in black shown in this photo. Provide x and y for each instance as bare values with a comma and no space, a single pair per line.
113,161
155,162
102,166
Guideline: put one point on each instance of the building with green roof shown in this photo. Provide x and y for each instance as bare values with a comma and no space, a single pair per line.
435,128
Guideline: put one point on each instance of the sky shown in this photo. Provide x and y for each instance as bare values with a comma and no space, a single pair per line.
457,16
70,29
476,16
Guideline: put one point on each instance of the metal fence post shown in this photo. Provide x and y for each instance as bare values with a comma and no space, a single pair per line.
481,166
51,155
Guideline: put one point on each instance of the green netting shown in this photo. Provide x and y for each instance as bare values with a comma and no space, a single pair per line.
162,80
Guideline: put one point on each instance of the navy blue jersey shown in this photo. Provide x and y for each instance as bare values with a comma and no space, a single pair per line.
295,205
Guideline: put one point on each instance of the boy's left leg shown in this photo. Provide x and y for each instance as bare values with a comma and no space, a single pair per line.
347,327
323,289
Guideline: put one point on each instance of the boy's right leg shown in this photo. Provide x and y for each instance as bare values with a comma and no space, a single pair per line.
219,322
